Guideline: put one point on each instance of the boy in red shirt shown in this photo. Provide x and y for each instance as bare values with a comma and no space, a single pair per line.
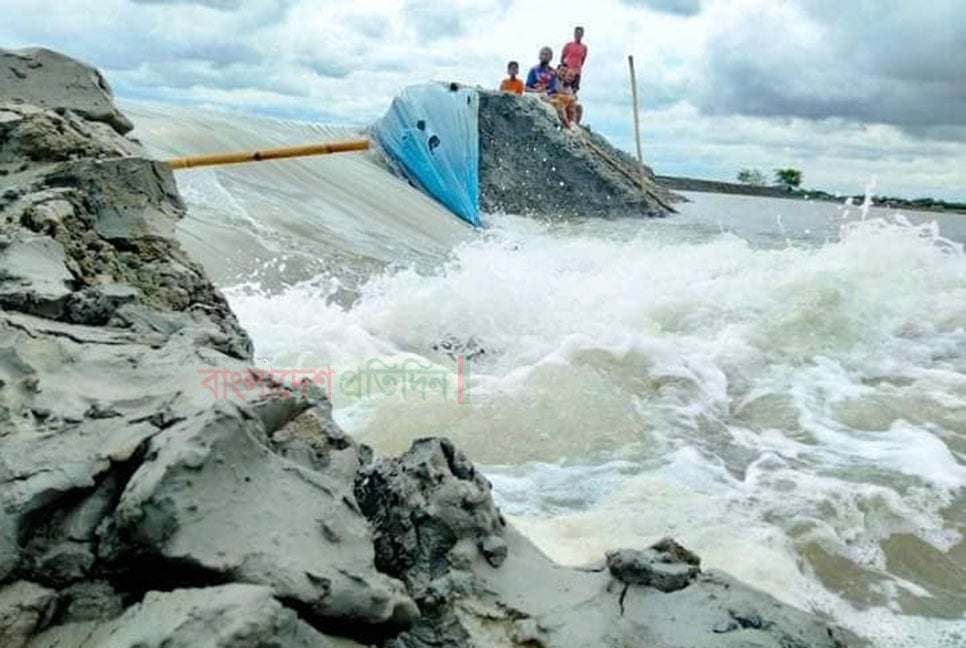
573,56
512,84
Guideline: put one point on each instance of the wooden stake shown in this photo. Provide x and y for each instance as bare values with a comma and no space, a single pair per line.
268,154
637,119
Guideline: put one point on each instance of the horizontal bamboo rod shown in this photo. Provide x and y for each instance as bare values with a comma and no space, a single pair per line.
268,154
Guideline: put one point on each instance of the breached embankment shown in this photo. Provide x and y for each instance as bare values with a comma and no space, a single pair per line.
139,511
473,149
530,165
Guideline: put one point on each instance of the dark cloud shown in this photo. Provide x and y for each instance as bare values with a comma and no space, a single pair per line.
187,74
368,25
940,133
329,67
220,54
253,12
432,21
857,61
225,5
677,7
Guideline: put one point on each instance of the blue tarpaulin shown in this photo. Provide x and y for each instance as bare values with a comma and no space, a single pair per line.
431,134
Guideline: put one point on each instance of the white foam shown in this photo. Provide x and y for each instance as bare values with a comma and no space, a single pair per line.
748,401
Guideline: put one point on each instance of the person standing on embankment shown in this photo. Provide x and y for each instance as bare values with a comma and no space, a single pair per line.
573,56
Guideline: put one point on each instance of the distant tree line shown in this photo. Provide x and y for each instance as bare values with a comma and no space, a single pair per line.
752,177
790,179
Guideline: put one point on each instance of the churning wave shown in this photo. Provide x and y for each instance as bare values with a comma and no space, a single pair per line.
793,410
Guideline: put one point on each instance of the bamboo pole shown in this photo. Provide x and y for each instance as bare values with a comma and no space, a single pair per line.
637,118
268,154
640,180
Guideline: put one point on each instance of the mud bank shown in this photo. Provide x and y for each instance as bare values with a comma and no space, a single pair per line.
530,165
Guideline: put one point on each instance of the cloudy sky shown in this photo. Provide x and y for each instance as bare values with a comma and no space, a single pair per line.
847,91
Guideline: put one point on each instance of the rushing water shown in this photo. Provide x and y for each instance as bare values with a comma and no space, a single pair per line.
780,385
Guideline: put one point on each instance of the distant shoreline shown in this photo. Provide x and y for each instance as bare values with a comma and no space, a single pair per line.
714,186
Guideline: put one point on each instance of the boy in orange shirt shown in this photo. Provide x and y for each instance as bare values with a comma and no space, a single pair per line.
512,84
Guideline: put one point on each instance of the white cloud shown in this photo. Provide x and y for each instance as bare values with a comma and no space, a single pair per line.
680,7
725,83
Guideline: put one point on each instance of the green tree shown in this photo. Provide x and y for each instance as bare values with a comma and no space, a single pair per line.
751,177
789,178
